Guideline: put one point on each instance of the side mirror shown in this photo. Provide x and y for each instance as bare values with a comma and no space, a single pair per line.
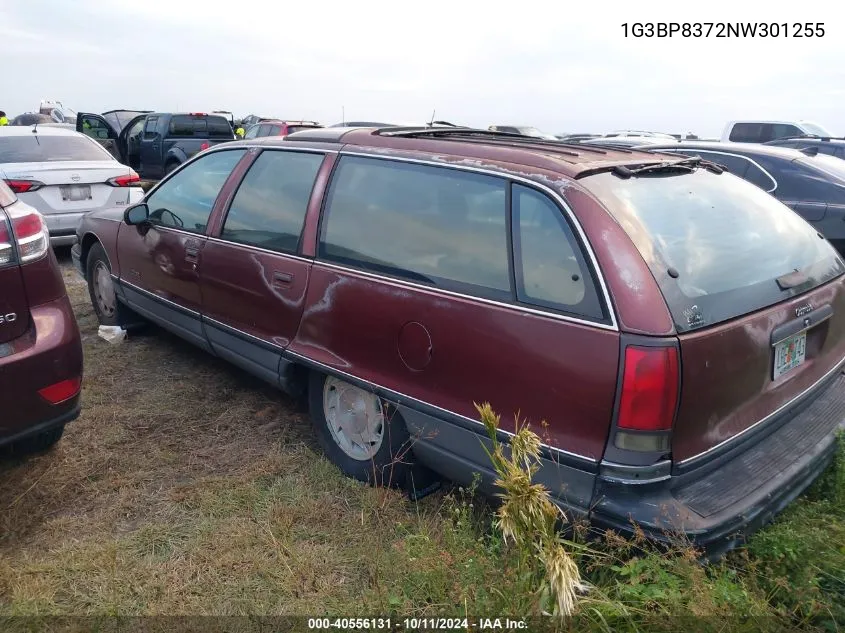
137,214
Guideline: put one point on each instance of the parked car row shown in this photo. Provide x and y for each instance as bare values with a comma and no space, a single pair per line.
680,330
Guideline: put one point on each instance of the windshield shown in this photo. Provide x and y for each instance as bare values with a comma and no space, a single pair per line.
33,148
814,128
715,243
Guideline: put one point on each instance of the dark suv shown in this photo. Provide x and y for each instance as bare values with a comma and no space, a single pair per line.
155,143
811,184
680,331
40,347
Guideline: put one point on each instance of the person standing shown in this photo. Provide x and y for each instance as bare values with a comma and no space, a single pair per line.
3,119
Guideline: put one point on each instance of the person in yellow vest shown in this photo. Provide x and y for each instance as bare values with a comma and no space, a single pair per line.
3,119
240,131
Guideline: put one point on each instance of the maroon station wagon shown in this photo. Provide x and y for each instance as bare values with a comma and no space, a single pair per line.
40,346
681,331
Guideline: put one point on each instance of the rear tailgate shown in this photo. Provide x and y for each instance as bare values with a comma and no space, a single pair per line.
729,371
757,297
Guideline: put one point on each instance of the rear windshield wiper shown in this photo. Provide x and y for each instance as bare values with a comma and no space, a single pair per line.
684,164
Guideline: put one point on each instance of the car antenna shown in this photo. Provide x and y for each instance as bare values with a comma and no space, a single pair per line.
431,123
343,114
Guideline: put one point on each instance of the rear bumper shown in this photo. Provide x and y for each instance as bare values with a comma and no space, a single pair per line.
62,227
50,351
717,509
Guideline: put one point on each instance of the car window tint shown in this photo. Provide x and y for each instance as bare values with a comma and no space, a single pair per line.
826,148
427,224
757,176
799,183
269,208
185,201
299,128
550,268
150,125
252,132
747,132
264,130
181,125
37,148
725,240
779,130
218,127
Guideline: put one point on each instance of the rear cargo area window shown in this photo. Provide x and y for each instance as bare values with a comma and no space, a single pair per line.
716,244
550,268
433,225
269,207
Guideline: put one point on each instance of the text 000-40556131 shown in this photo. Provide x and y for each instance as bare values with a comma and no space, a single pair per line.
723,29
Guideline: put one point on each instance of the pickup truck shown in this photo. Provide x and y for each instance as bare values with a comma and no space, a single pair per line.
155,143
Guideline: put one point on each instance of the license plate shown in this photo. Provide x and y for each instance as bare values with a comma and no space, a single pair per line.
74,193
789,354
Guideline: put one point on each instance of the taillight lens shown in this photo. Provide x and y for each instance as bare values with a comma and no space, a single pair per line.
61,391
204,146
6,250
30,233
23,186
649,389
127,180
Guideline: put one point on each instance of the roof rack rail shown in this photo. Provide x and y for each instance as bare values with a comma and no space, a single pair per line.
468,133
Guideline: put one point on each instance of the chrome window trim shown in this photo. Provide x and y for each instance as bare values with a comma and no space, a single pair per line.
477,423
556,197
836,368
740,156
259,249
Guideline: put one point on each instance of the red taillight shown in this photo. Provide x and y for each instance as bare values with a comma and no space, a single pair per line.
197,114
127,180
205,146
649,389
61,391
30,233
24,186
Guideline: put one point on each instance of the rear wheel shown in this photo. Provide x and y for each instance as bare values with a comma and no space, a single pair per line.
359,433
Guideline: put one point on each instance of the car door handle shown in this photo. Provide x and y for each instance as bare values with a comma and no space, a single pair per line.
282,279
192,254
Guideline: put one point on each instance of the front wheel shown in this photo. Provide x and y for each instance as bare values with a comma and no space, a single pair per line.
359,433
101,289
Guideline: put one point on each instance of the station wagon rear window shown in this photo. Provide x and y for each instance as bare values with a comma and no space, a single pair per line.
716,244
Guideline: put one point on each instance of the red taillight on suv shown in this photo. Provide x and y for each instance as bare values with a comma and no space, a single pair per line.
29,233
649,398
24,186
127,180
205,146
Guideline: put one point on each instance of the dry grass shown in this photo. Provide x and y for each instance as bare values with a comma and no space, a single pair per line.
185,487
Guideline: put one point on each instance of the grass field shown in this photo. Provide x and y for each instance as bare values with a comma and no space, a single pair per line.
187,487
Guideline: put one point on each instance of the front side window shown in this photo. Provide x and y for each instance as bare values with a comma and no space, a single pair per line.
269,208
550,268
252,132
186,200
431,225
150,126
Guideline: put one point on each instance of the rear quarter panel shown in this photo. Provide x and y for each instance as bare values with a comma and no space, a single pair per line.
102,227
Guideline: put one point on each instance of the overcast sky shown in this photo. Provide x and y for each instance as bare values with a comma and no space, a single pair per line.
561,66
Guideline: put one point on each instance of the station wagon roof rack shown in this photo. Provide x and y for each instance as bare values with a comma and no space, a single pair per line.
468,134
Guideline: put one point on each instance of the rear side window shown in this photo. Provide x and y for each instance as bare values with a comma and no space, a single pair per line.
252,132
299,128
269,208
185,201
803,181
432,225
715,244
35,148
181,126
549,266
747,133
737,165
